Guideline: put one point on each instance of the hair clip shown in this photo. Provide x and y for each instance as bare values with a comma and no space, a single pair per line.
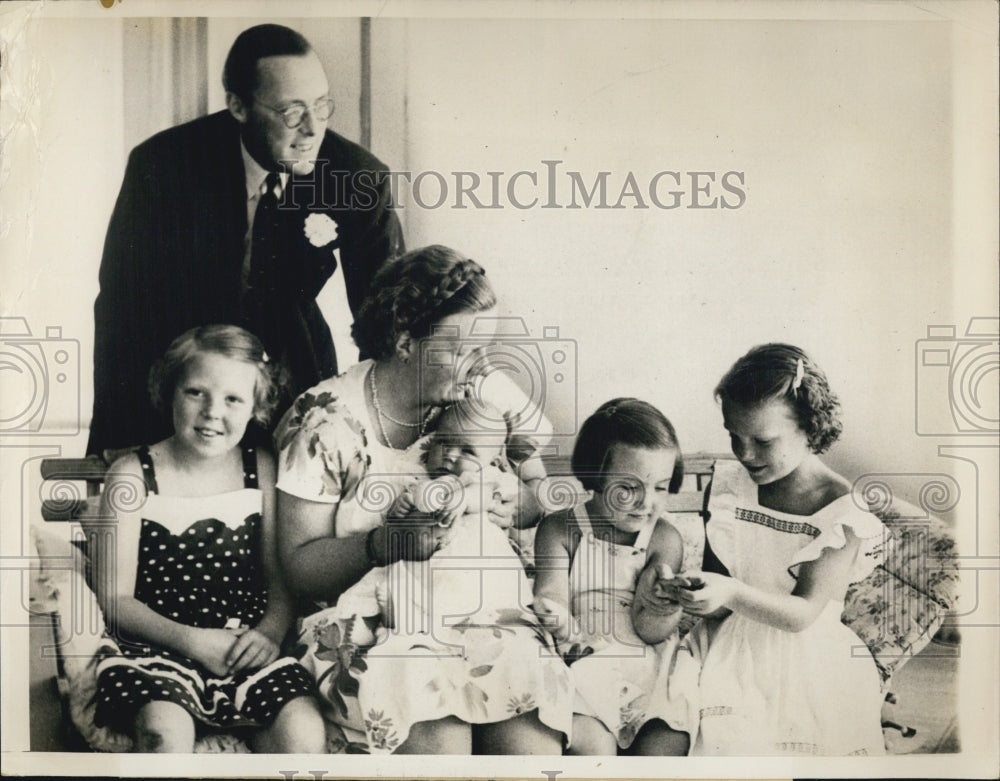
800,370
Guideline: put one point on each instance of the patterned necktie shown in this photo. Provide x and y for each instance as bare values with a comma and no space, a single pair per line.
262,300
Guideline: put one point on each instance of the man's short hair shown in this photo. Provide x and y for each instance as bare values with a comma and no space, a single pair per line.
239,75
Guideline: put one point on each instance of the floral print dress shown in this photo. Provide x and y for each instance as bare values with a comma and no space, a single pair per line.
767,691
484,667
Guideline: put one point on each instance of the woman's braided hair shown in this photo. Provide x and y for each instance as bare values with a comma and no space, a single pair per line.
416,291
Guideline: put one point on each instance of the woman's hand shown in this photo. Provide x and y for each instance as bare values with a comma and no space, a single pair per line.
702,593
210,648
503,509
415,537
251,651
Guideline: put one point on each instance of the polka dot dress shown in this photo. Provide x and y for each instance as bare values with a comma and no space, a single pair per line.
199,565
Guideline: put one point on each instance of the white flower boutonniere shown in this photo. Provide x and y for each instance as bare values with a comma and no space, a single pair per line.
320,229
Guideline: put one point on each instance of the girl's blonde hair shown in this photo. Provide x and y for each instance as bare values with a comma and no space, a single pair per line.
230,341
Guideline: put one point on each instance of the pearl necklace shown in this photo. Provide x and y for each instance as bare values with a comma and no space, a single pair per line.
380,414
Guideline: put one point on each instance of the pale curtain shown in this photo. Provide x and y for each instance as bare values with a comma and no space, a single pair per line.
166,74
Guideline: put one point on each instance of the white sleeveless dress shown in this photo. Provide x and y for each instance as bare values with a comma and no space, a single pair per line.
766,691
623,682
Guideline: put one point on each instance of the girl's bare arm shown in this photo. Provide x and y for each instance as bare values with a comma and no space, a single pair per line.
818,582
552,564
654,614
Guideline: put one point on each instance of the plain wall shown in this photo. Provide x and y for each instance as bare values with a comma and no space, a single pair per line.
843,131
63,130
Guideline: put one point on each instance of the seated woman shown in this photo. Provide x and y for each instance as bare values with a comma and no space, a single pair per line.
346,448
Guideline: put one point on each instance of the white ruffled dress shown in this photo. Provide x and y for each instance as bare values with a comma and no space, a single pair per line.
766,691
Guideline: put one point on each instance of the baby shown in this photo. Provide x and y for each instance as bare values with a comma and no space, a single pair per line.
474,568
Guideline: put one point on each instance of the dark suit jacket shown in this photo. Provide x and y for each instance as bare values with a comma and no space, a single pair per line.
173,259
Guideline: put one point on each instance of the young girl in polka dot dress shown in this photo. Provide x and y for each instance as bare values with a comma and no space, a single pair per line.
193,591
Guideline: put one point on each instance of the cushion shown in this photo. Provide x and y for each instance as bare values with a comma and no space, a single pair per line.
894,619
62,568
922,554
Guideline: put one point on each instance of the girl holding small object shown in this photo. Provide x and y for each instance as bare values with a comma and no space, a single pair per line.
781,674
601,586
194,590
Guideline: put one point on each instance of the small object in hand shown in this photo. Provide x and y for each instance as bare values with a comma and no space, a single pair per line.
687,582
232,623
694,583
445,520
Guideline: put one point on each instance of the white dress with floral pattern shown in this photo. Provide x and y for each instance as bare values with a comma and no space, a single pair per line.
766,691
484,667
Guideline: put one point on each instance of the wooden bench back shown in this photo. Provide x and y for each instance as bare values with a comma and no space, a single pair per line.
66,502
62,498
690,499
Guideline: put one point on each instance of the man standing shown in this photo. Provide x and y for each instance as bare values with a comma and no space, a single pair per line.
237,217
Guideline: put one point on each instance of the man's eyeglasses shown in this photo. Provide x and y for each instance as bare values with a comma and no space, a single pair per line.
294,115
